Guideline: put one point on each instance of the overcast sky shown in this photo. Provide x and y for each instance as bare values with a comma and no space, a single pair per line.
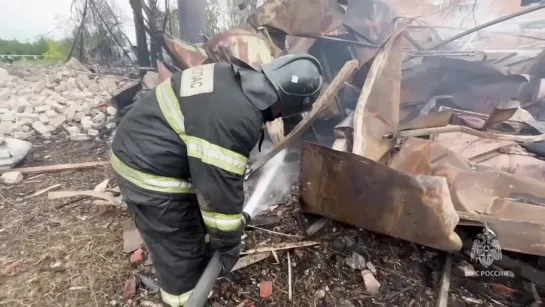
26,19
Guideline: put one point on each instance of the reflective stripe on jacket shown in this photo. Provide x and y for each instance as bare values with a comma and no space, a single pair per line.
203,139
150,181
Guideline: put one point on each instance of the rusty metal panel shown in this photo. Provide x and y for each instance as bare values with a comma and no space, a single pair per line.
436,119
343,186
244,45
506,202
299,17
377,111
187,54
519,163
520,227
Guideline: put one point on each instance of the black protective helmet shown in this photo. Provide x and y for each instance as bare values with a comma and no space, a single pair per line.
297,79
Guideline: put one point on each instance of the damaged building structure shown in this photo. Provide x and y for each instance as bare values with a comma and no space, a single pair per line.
447,122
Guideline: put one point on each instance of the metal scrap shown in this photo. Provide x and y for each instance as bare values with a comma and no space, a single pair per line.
377,111
474,101
299,17
507,203
342,186
247,46
187,54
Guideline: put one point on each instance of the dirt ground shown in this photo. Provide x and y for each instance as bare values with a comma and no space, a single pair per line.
69,252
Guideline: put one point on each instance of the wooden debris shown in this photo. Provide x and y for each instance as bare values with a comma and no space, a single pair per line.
275,255
323,103
445,283
275,232
319,224
445,129
101,187
537,299
56,168
266,220
72,201
40,192
64,194
372,286
371,267
249,260
281,246
245,303
150,304
289,278
471,300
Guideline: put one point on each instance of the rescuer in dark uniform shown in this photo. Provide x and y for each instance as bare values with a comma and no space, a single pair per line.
180,154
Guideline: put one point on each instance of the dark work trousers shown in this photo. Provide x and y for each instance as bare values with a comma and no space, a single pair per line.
174,233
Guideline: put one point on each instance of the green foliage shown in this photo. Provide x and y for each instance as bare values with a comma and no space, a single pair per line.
58,50
51,49
17,47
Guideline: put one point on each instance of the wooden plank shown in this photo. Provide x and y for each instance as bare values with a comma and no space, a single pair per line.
56,168
445,283
91,193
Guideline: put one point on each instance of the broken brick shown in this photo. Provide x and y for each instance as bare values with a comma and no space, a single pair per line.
129,290
12,268
265,288
137,257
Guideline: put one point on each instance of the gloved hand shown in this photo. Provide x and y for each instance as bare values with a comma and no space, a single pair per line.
229,246
229,257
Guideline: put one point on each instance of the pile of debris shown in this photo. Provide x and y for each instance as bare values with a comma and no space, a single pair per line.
44,101
450,134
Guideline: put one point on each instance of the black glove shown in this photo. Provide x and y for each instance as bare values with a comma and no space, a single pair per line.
228,244
229,257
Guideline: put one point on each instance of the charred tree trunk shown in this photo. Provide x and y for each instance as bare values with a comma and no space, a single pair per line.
154,45
142,46
82,45
192,20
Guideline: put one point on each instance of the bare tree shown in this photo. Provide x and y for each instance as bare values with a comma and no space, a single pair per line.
225,14
98,33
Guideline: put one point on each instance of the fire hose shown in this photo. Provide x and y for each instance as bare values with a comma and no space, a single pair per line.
202,289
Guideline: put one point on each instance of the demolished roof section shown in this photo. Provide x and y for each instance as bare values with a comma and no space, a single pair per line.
345,187
371,19
506,199
187,54
250,47
299,17
377,111
475,112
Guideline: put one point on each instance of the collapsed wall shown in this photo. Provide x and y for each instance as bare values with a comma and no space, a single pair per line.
41,101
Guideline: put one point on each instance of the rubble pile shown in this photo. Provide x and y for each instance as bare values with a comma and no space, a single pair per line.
46,101
450,128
